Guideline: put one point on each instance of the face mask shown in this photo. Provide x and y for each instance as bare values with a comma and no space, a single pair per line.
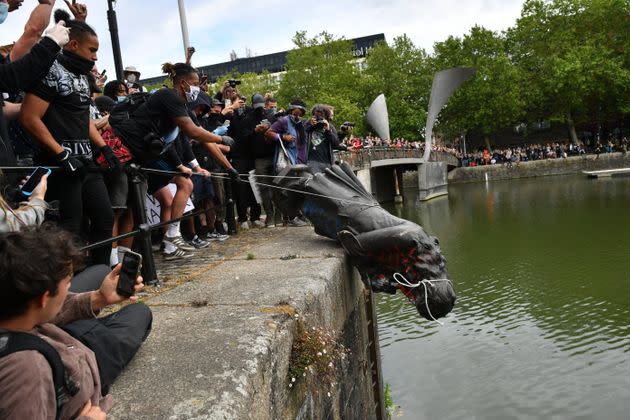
193,94
4,11
132,78
121,99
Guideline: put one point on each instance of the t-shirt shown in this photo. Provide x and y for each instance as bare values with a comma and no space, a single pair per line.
319,148
68,116
156,115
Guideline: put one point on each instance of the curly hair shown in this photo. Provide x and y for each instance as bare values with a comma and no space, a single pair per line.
33,261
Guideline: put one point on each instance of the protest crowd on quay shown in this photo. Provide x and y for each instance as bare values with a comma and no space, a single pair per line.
189,143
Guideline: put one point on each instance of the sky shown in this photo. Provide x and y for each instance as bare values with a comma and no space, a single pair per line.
150,32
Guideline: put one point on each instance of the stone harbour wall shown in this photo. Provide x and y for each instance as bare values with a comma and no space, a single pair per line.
221,341
547,167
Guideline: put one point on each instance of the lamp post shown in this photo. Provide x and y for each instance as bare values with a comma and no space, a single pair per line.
184,24
113,30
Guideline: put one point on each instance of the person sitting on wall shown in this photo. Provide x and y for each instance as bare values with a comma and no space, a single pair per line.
35,300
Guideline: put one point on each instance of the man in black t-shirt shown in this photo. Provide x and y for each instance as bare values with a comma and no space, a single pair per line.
151,130
56,111
321,138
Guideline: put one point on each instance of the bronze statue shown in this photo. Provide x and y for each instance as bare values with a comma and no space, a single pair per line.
390,253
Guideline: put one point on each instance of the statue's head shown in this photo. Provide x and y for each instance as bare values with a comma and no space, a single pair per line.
427,282
415,266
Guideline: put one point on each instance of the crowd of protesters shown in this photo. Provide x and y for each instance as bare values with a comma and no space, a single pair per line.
186,143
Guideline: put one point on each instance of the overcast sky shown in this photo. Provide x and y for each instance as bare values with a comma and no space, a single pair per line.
150,32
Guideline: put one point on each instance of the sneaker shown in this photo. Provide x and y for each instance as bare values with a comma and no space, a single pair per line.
176,255
198,243
258,224
244,225
180,243
216,236
297,222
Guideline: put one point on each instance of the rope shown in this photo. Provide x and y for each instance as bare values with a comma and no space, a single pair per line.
303,192
424,283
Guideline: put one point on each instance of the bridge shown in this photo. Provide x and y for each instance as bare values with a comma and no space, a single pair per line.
380,170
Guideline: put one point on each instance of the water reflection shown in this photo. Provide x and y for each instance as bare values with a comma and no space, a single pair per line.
542,321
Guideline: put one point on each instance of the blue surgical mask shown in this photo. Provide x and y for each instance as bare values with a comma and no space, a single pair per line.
4,11
121,99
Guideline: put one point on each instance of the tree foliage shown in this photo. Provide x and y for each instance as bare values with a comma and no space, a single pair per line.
564,60
402,72
322,69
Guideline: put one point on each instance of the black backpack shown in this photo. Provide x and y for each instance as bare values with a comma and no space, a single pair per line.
122,111
12,342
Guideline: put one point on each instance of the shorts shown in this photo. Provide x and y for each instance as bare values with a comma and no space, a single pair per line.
118,189
154,181
202,189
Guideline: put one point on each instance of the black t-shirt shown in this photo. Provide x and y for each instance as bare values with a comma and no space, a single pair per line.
68,116
319,147
241,130
156,115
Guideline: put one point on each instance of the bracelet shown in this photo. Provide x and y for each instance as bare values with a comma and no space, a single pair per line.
194,163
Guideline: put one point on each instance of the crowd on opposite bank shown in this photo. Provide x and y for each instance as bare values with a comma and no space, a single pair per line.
530,152
505,155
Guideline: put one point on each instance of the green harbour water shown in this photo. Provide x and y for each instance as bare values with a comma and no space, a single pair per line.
541,327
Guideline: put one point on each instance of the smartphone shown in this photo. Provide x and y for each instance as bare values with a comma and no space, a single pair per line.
228,102
103,73
33,180
132,262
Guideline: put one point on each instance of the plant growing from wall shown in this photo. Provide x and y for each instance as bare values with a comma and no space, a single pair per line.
315,352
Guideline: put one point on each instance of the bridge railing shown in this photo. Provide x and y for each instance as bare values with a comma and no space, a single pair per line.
362,158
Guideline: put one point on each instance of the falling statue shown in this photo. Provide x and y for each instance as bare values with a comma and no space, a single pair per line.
390,253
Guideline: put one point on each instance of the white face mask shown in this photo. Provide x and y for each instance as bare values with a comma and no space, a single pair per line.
121,98
193,94
132,78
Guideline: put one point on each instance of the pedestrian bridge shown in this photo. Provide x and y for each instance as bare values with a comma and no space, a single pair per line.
378,157
380,170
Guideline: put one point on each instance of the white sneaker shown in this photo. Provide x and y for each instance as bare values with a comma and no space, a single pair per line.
245,225
258,224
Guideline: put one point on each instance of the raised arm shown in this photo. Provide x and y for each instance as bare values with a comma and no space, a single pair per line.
33,30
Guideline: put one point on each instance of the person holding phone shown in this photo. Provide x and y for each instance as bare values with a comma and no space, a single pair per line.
31,212
36,299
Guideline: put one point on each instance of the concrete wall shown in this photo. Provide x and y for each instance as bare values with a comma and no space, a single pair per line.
221,341
432,180
383,183
572,165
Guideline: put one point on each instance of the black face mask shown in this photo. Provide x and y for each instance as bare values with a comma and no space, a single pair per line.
75,63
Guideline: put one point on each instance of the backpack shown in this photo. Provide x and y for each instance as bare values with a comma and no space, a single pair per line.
12,342
122,111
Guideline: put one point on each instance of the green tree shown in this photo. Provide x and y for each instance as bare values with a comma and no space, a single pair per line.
323,69
575,54
402,73
493,98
